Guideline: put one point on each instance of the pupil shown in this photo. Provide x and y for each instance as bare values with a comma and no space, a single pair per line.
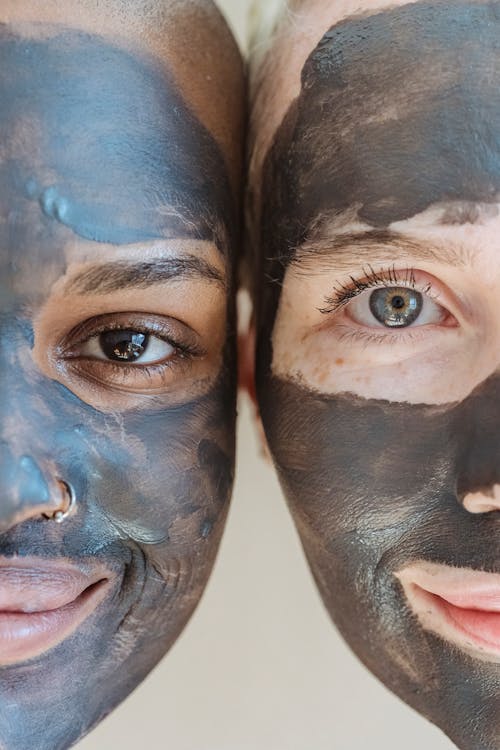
398,302
123,346
395,307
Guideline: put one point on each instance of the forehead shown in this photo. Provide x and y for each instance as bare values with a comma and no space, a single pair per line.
191,35
457,236
397,111
101,141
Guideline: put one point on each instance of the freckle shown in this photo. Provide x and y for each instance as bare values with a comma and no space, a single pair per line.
339,361
361,380
322,376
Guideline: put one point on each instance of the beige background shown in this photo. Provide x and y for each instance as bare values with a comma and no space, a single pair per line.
260,667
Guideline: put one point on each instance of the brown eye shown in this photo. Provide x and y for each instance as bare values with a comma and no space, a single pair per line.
123,346
128,347
128,354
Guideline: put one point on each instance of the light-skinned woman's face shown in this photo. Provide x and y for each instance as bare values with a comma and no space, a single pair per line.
117,230
377,226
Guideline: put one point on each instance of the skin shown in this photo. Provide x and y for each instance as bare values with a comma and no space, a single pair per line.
119,168
383,171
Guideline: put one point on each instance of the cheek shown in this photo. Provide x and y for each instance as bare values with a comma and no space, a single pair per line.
350,464
376,483
160,478
147,477
329,352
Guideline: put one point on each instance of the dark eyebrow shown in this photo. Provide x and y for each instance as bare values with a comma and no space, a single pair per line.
104,278
348,249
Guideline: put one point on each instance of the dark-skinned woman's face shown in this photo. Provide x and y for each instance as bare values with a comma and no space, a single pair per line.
377,283
117,232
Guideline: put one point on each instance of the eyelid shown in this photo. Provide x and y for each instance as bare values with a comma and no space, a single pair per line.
157,350
132,378
111,386
171,330
371,279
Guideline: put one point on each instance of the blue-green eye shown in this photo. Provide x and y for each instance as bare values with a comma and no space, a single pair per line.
396,307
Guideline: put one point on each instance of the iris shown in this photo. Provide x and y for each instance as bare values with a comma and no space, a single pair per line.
396,307
125,346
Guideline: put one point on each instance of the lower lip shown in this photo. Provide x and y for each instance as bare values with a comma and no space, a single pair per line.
24,636
474,630
482,628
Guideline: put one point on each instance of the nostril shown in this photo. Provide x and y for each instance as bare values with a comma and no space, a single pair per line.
29,491
483,501
66,502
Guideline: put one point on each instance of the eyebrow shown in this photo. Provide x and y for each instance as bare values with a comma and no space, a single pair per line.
344,250
104,278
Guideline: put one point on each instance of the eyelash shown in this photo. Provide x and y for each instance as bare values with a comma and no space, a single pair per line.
182,350
370,279
133,377
148,372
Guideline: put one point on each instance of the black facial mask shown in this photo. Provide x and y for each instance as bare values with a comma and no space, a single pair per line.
373,486
398,111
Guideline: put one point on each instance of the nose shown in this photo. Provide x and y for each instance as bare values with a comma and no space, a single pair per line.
25,491
484,501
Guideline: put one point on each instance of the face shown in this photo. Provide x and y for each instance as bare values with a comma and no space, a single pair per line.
117,370
378,326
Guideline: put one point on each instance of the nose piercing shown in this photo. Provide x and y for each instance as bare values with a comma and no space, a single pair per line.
60,515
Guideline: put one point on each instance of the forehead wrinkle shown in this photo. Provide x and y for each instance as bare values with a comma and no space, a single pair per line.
344,250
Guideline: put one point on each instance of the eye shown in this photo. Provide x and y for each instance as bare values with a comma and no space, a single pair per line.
395,307
133,352
127,346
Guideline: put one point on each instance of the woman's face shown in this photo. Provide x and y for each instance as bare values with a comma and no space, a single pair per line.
378,327
117,224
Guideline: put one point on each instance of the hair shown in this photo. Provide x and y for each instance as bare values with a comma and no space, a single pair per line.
265,16
265,22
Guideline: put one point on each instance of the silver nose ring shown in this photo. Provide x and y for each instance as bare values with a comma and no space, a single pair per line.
61,515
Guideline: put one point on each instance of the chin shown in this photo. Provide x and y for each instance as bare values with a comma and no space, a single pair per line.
74,672
455,689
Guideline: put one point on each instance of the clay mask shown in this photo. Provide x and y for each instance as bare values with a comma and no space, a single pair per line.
117,225
381,185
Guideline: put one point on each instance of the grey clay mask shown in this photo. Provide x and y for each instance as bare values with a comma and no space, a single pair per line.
376,485
98,146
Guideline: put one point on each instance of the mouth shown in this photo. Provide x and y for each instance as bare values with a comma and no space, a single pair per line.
458,604
42,602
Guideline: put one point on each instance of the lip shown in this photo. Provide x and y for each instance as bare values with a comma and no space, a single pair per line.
42,602
460,605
